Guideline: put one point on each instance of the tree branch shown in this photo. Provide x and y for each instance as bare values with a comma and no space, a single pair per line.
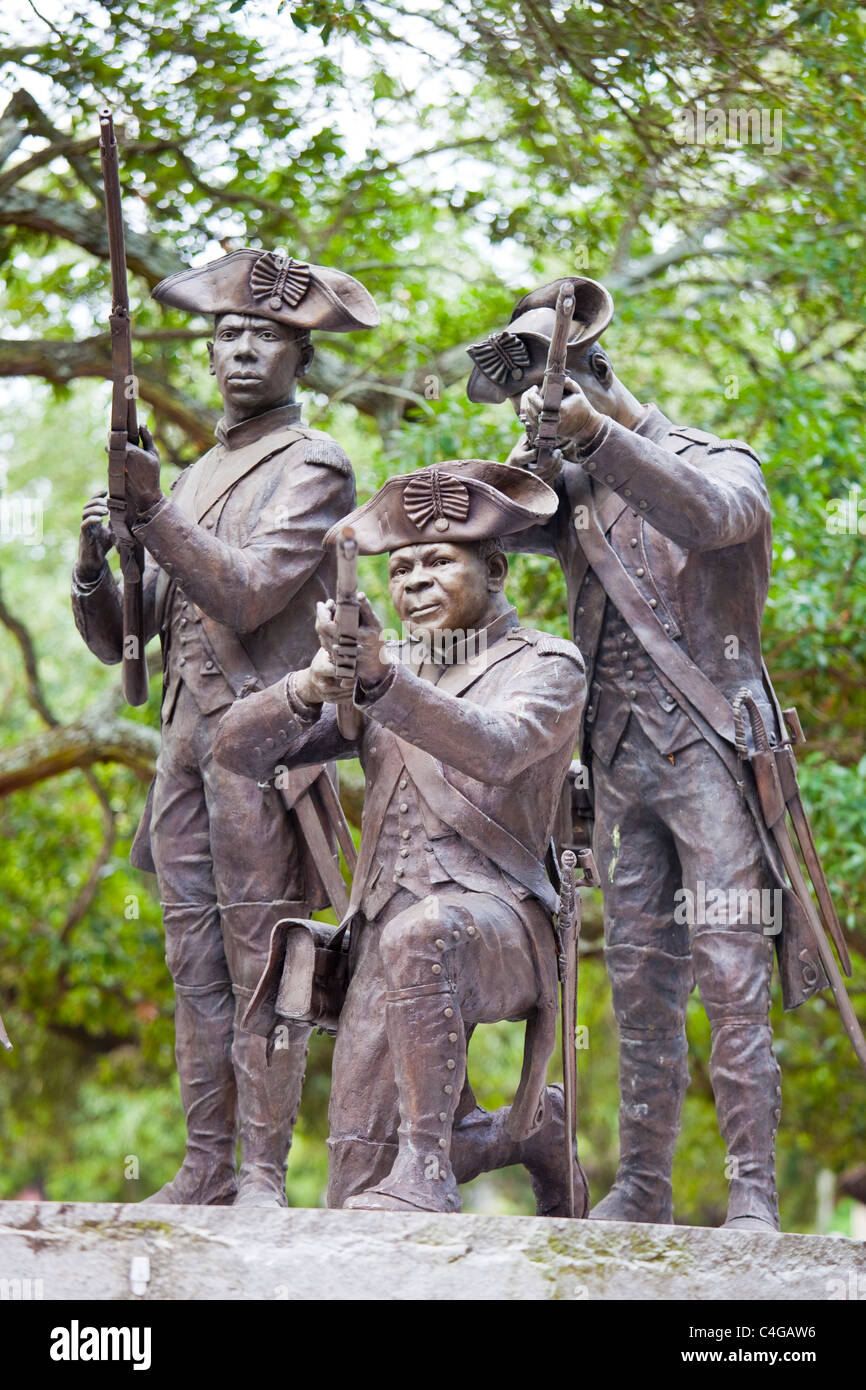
36,122
59,361
35,693
93,738
85,227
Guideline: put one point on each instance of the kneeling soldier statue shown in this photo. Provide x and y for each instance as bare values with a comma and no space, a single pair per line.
450,916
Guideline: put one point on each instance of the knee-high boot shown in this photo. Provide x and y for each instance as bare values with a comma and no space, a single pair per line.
733,971
203,1039
428,1051
650,989
269,1097
269,1090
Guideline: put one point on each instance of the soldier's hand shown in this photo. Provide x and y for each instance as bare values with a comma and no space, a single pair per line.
577,419
326,627
523,454
372,664
142,473
95,538
319,683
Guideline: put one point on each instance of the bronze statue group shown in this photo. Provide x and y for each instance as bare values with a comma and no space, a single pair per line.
466,732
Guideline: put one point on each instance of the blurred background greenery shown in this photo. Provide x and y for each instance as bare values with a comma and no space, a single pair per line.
450,155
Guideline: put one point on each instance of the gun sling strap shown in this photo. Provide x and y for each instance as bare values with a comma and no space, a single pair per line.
487,836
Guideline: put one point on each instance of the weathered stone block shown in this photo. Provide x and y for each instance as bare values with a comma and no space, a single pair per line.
84,1250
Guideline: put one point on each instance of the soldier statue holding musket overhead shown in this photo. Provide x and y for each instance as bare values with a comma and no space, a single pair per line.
663,533
234,571
465,748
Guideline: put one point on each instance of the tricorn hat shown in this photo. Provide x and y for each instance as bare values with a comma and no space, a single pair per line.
509,362
461,500
274,286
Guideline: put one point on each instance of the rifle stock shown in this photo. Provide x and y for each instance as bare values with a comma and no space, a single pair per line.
124,427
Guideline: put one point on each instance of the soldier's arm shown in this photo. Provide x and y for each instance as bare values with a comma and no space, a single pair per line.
270,729
244,586
537,709
711,496
97,607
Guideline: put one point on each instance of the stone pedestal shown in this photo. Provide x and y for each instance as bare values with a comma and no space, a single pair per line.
55,1250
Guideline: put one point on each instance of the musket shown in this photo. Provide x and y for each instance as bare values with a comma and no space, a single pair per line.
568,942
774,805
124,427
319,805
548,458
787,766
348,619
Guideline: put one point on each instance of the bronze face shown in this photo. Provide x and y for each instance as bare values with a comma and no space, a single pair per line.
439,586
595,377
256,362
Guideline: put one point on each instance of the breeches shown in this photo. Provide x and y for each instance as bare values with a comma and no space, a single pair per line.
683,873
472,947
226,859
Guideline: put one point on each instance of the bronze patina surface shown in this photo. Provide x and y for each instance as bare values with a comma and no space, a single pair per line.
465,746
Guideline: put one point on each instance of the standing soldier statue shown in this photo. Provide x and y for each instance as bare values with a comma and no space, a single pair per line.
664,537
234,571
465,734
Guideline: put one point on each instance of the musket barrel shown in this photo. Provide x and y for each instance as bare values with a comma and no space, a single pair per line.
562,325
553,386
113,211
348,617
347,566
567,933
124,425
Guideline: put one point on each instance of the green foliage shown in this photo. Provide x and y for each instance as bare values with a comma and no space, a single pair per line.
451,156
